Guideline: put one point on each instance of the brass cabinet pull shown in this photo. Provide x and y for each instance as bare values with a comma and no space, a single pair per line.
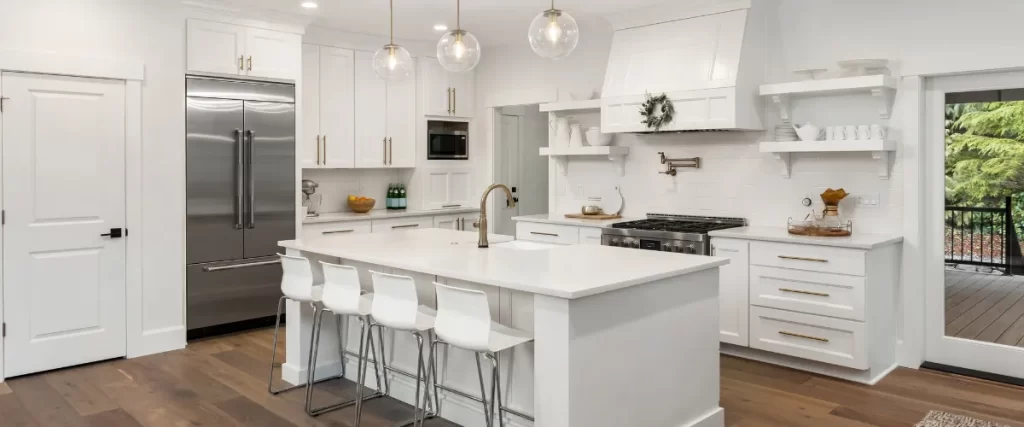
391,151
797,258
250,63
385,151
337,231
796,291
791,334
449,100
405,226
318,150
543,234
325,150
455,101
241,63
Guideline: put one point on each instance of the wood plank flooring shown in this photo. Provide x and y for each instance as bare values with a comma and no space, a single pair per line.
222,382
985,307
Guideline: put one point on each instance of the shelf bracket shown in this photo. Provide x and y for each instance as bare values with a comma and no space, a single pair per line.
886,96
786,159
620,162
782,101
882,157
563,164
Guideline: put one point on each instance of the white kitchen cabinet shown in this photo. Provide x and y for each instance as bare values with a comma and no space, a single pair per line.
219,48
590,236
733,291
385,130
398,224
329,229
328,107
547,233
450,222
215,47
448,188
469,222
443,93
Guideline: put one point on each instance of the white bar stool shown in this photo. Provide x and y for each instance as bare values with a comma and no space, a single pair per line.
343,296
464,321
297,284
396,306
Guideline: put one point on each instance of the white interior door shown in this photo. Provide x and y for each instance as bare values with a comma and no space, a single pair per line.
63,186
508,173
964,320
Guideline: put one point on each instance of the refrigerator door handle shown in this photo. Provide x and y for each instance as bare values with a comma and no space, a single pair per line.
252,181
237,266
239,180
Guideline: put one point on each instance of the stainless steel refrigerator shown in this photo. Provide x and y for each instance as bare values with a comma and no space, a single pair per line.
241,195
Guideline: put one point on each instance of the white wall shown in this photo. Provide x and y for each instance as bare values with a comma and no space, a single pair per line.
152,32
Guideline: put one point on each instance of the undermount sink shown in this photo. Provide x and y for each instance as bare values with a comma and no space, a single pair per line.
523,245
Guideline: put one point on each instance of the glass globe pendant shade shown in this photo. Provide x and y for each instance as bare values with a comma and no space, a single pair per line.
554,34
392,62
458,51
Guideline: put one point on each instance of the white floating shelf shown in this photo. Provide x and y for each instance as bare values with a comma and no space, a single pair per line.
590,104
880,86
562,154
880,151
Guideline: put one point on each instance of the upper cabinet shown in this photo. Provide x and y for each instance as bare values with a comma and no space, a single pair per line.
445,94
219,48
385,130
447,188
328,139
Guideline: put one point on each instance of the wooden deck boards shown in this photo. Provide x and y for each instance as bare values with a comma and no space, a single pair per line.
985,307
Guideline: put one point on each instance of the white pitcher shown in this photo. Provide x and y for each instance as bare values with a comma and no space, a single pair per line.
575,135
562,132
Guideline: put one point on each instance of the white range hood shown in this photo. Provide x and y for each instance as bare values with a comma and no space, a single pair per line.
708,56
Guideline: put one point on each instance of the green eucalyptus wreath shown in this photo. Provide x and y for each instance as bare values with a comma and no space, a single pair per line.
650,108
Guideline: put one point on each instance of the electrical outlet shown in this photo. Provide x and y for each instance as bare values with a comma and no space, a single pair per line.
870,200
578,191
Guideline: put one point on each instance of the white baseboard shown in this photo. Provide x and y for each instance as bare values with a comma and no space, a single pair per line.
160,340
869,376
715,418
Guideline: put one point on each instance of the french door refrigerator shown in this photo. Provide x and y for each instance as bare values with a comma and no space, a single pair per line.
241,195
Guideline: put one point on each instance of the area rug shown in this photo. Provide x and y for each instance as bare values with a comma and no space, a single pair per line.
945,419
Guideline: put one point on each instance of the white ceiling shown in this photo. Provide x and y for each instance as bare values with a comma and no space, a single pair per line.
492,21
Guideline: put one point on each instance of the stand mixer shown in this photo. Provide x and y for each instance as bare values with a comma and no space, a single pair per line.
310,200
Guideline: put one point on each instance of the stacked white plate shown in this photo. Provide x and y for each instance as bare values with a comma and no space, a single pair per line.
785,133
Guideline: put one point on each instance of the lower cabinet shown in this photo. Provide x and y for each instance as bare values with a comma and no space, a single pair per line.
463,222
328,229
558,234
398,224
732,290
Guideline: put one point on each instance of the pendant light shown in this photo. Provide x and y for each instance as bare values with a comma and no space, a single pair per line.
392,62
458,51
554,33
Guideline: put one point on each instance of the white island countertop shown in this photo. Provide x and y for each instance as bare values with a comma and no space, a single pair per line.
382,214
569,272
865,241
560,219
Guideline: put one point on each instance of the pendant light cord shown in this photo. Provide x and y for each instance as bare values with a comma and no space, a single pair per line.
552,4
393,21
458,14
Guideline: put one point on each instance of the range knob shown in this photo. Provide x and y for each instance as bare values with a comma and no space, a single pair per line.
691,249
677,247
615,242
630,242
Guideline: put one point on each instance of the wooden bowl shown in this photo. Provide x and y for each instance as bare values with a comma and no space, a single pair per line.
361,206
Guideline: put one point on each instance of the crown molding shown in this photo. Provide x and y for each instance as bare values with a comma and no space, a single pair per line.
233,13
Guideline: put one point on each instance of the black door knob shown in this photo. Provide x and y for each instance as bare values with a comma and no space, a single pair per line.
115,233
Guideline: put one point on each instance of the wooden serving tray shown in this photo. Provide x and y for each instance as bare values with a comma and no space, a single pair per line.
601,217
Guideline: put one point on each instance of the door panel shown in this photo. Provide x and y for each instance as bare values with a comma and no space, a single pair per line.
226,292
401,122
270,134
733,290
309,145
273,53
508,173
371,123
64,284
337,108
214,47
214,179
436,91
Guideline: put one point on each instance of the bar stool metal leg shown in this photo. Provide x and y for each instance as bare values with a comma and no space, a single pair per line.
419,416
317,326
496,402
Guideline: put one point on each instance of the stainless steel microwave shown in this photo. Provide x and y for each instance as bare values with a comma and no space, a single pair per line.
447,144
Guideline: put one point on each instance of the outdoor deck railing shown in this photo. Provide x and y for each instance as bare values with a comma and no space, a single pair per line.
979,236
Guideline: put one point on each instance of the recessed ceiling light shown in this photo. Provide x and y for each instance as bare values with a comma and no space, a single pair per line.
308,4
440,27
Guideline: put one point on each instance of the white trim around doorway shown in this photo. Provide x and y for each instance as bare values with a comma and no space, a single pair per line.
139,342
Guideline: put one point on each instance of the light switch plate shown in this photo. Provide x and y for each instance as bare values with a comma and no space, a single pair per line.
868,200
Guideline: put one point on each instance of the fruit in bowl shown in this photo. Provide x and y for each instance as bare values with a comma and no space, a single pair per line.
360,204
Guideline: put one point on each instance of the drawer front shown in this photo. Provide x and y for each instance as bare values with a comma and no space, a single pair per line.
833,295
824,339
808,257
590,236
547,233
331,229
402,224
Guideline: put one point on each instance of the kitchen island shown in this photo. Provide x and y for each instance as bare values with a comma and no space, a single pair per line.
622,337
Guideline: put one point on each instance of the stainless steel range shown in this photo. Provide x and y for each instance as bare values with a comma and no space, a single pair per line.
668,233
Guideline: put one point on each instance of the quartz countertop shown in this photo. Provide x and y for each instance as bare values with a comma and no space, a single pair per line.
560,219
382,214
570,272
779,234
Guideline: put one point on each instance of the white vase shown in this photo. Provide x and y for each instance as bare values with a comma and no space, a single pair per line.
575,136
562,132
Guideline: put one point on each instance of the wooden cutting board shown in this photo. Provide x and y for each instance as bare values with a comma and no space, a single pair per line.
601,217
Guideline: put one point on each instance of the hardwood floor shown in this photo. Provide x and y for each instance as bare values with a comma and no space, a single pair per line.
222,382
985,307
